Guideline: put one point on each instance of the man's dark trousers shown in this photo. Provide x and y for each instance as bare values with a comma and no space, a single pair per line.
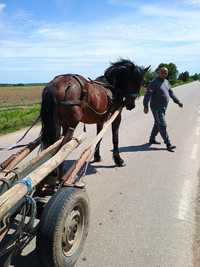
160,125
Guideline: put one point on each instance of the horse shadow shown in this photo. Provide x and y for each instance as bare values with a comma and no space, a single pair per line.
92,167
89,168
140,148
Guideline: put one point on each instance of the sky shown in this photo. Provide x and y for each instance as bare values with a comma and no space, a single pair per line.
41,39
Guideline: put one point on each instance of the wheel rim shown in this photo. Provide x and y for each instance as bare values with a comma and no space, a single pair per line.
73,230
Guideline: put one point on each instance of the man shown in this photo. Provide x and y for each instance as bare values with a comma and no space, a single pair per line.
158,93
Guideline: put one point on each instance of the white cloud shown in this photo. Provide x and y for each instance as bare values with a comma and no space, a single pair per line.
2,7
169,35
176,12
192,2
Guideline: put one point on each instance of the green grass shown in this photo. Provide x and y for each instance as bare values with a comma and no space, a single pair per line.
14,118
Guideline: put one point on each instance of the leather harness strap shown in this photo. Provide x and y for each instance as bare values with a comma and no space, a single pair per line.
78,79
106,85
71,103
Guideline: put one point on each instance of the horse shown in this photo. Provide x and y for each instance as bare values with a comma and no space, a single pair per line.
71,98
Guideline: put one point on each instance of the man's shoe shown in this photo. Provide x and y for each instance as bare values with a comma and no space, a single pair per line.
154,142
171,148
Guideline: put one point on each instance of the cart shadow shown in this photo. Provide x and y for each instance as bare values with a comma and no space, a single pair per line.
30,260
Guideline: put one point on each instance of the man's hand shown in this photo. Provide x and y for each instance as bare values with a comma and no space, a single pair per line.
146,110
180,105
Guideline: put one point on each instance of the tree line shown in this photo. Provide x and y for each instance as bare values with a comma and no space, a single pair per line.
21,84
174,76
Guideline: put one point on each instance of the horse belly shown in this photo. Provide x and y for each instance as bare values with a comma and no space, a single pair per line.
90,118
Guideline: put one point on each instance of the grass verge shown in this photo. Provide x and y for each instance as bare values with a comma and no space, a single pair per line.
13,119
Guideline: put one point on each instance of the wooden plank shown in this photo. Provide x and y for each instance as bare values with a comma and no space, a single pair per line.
29,166
14,159
10,198
69,177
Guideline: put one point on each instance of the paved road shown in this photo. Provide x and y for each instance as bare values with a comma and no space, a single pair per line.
143,215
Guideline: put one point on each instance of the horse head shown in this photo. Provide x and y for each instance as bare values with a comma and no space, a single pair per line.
126,79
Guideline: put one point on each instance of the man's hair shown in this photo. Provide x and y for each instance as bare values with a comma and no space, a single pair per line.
163,68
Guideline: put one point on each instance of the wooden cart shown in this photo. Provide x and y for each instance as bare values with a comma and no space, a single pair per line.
58,218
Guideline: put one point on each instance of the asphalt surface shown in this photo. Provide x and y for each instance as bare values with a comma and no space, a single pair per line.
143,214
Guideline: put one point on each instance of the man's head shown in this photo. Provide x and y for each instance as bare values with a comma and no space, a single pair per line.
163,72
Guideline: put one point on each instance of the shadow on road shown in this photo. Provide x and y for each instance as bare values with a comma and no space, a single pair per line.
30,260
143,147
92,169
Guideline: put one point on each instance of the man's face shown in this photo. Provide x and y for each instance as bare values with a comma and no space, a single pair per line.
163,73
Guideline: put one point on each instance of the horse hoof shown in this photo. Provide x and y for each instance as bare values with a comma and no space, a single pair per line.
119,162
97,159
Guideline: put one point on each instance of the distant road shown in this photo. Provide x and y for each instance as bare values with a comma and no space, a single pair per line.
143,215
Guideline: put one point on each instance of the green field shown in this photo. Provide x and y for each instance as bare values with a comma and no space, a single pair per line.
19,106
15,118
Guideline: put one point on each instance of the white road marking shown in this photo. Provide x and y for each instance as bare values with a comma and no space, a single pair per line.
194,151
185,201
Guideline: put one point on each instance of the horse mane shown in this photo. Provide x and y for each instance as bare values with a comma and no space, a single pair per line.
122,62
119,73
118,68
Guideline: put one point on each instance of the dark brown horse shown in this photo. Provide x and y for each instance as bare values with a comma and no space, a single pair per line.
69,99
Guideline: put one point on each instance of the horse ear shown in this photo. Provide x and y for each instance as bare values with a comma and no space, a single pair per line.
147,68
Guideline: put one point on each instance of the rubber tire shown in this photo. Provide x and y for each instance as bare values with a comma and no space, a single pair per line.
49,237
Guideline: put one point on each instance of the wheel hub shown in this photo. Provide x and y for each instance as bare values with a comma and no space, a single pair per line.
73,230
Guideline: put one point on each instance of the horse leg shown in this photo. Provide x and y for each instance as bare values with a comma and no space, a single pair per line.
68,131
68,134
97,157
115,135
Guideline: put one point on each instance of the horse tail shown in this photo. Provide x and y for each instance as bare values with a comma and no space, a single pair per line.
33,124
50,132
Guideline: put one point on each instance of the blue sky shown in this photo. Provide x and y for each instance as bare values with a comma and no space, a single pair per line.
41,39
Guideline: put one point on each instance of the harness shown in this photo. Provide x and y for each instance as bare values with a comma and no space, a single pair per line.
84,95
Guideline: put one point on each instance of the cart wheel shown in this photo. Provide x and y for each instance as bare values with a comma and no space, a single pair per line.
63,228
